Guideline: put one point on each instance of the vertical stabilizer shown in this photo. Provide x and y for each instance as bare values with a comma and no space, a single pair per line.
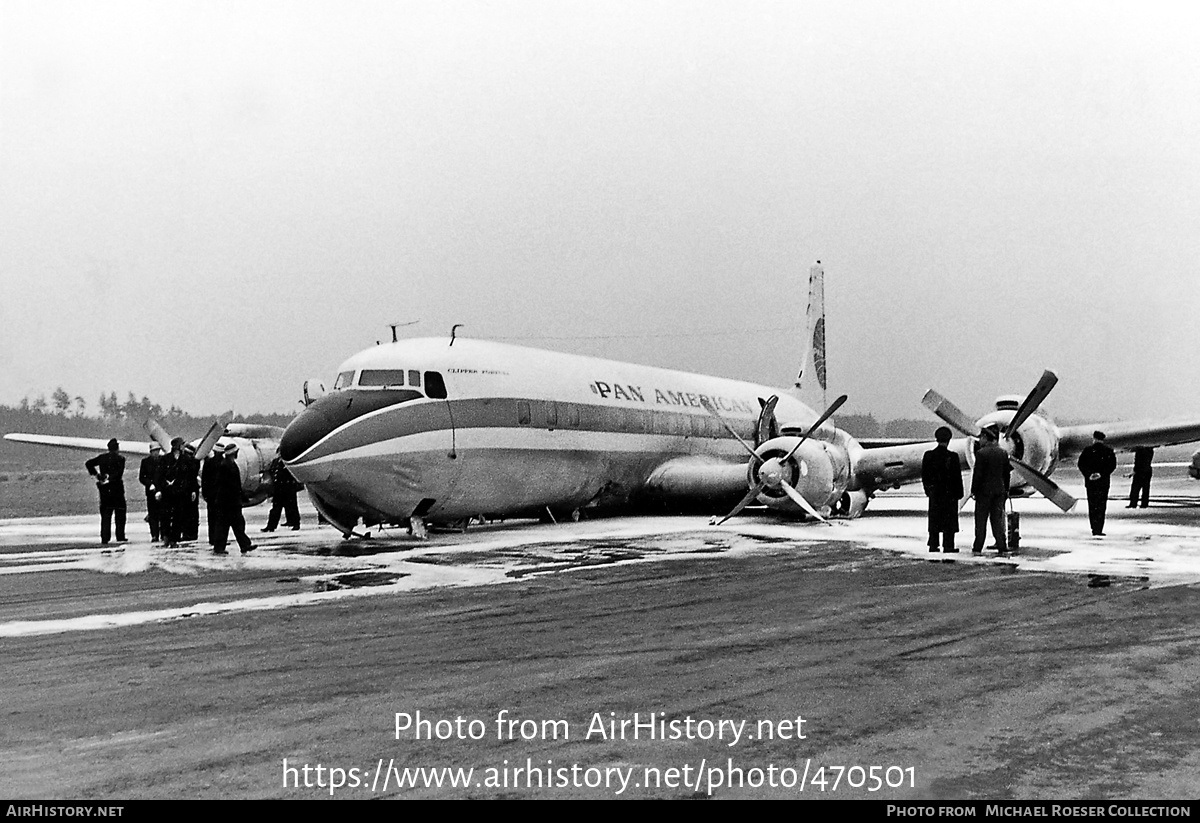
810,382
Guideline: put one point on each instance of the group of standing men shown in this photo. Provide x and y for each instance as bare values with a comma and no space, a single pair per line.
941,474
175,485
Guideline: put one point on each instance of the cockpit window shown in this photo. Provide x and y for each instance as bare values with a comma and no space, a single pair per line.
434,385
381,377
344,380
414,378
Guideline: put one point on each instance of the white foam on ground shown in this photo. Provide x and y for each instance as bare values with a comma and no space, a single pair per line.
1141,544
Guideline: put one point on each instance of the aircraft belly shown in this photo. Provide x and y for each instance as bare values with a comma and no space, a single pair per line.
495,471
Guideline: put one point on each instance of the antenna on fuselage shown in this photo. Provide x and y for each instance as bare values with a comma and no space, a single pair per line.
394,326
453,330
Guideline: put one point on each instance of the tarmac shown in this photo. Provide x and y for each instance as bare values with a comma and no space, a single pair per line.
632,657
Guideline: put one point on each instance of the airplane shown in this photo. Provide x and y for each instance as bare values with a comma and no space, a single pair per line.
435,431
257,447
1036,445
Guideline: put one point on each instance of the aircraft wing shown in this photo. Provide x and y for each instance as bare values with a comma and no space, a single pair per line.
1074,439
893,466
83,444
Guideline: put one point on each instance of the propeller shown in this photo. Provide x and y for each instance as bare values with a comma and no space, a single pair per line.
1049,489
158,434
834,406
957,419
772,472
711,409
209,440
1032,401
950,413
212,435
767,427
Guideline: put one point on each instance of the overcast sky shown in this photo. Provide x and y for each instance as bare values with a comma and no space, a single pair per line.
208,202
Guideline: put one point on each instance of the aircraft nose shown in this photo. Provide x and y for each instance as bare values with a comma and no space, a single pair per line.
309,427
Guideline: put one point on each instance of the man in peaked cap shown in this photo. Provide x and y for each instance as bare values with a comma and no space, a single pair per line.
229,502
989,486
1097,463
108,470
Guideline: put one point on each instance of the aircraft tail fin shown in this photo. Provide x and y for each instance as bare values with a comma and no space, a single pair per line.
810,382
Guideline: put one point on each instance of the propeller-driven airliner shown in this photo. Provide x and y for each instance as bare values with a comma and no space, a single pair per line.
438,430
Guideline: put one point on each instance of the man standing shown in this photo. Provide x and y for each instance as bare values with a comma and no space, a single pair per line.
989,485
941,474
189,516
170,485
208,488
229,502
283,497
108,469
147,474
1143,458
1096,464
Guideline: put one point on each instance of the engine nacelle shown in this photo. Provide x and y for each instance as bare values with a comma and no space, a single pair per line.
1034,443
253,459
1194,469
818,470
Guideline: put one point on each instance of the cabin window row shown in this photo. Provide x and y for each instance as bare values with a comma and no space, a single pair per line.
551,415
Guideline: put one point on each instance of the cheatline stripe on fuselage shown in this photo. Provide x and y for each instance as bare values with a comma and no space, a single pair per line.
527,438
414,417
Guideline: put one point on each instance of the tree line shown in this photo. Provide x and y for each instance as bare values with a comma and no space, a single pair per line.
67,414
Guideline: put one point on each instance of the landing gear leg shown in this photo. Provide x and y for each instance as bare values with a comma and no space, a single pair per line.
416,525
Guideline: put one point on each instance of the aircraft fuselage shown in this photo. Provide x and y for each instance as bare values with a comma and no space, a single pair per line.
442,432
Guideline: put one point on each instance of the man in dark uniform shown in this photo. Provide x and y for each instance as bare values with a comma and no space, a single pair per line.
108,469
283,497
989,485
208,489
229,502
941,474
170,485
189,523
147,474
1096,464
1143,459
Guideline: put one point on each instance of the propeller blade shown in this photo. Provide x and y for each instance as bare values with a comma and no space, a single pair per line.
799,500
708,407
950,413
1048,488
834,406
1032,401
214,433
766,420
744,502
158,434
